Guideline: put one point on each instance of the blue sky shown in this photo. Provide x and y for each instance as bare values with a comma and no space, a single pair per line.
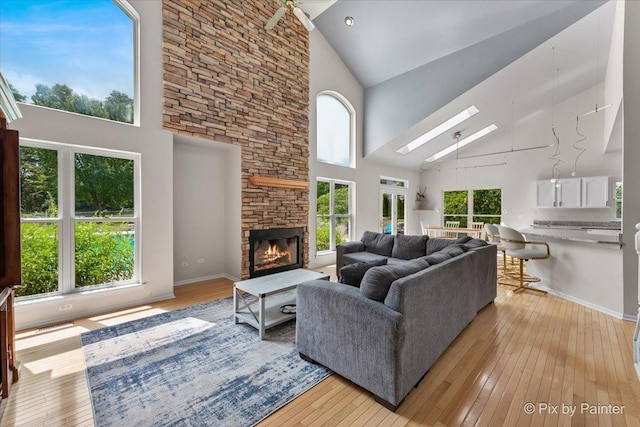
86,44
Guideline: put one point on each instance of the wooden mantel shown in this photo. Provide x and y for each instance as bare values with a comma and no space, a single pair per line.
266,181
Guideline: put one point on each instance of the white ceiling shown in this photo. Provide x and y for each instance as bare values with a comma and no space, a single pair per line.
437,28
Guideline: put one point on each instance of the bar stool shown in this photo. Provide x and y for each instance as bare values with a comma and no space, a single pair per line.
518,247
493,236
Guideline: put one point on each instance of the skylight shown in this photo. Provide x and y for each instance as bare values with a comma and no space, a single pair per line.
460,144
439,130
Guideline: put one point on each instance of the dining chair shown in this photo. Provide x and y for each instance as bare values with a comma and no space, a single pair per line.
451,234
477,226
424,226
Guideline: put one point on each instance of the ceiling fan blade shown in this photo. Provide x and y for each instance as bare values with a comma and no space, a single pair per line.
303,18
275,18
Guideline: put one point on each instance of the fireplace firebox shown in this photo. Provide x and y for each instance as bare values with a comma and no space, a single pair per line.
274,250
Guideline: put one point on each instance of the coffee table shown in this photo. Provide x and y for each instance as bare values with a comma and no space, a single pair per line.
266,294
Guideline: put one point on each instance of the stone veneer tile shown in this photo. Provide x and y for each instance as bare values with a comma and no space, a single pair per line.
226,78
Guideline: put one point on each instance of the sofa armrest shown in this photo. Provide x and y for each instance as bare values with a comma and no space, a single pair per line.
346,248
350,334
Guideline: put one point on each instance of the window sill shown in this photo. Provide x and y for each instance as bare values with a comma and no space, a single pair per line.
76,294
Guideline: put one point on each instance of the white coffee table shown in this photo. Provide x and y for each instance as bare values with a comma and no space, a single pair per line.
261,309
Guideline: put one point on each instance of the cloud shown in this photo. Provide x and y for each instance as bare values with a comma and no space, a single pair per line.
24,83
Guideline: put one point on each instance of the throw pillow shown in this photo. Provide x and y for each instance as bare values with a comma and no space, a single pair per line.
436,245
377,281
454,250
437,258
463,239
378,243
475,243
352,274
409,247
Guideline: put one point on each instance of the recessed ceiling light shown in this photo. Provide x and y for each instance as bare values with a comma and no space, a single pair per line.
439,130
460,144
349,21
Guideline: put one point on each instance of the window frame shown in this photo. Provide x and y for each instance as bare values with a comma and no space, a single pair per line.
67,219
332,216
399,188
352,127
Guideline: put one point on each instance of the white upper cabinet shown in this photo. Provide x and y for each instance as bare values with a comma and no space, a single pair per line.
568,193
590,192
596,192
545,194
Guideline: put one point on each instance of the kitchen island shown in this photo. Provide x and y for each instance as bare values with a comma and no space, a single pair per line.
585,265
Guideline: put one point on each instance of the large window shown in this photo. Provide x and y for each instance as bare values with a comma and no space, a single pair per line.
80,218
76,56
473,206
618,199
334,213
335,129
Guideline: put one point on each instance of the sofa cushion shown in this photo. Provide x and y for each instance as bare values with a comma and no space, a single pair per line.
409,247
377,280
436,258
361,256
378,243
454,250
352,274
475,243
436,244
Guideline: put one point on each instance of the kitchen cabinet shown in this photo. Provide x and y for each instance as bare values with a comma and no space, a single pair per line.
596,192
589,192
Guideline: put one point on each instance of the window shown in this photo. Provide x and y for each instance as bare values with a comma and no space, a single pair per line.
79,210
335,129
334,213
76,56
473,206
618,199
393,209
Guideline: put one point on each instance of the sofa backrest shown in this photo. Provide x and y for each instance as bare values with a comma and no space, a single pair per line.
409,247
378,243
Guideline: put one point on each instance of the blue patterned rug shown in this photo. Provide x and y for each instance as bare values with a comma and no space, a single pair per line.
193,367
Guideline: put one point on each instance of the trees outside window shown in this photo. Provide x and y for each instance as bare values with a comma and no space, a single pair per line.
473,205
79,218
85,65
618,199
334,216
335,134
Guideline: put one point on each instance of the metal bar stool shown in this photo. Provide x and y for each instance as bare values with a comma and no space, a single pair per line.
518,247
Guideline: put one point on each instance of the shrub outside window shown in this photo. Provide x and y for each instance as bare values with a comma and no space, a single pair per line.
334,213
80,217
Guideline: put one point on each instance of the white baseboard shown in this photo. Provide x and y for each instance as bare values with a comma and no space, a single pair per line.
571,298
86,313
205,278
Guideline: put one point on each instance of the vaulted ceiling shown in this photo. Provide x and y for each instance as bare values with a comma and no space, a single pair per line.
418,60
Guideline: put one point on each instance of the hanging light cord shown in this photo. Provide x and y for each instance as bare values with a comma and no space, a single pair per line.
554,156
575,146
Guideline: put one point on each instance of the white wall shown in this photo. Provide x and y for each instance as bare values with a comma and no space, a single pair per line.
517,176
203,195
613,89
155,147
328,72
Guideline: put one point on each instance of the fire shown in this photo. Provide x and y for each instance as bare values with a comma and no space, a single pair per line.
273,255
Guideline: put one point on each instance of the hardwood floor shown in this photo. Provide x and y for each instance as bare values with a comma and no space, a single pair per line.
524,348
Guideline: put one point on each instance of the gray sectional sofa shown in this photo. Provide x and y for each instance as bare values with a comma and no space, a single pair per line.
385,332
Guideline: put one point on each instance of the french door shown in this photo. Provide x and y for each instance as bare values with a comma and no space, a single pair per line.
393,211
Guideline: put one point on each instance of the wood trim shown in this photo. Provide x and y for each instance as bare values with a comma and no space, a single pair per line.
265,181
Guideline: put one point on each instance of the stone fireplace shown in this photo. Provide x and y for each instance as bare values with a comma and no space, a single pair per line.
275,250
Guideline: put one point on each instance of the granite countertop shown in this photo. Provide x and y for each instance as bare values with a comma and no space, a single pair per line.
610,237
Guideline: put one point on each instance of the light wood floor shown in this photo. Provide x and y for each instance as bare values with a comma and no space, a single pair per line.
524,348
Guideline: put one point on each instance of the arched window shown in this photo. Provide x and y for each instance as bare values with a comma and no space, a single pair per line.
77,56
335,129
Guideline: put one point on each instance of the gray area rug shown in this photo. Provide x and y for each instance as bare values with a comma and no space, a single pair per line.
193,367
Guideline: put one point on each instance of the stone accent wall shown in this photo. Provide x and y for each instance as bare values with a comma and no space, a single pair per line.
228,79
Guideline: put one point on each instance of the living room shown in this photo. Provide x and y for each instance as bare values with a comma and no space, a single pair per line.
196,165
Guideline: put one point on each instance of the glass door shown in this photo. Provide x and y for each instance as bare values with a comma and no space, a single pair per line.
393,211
